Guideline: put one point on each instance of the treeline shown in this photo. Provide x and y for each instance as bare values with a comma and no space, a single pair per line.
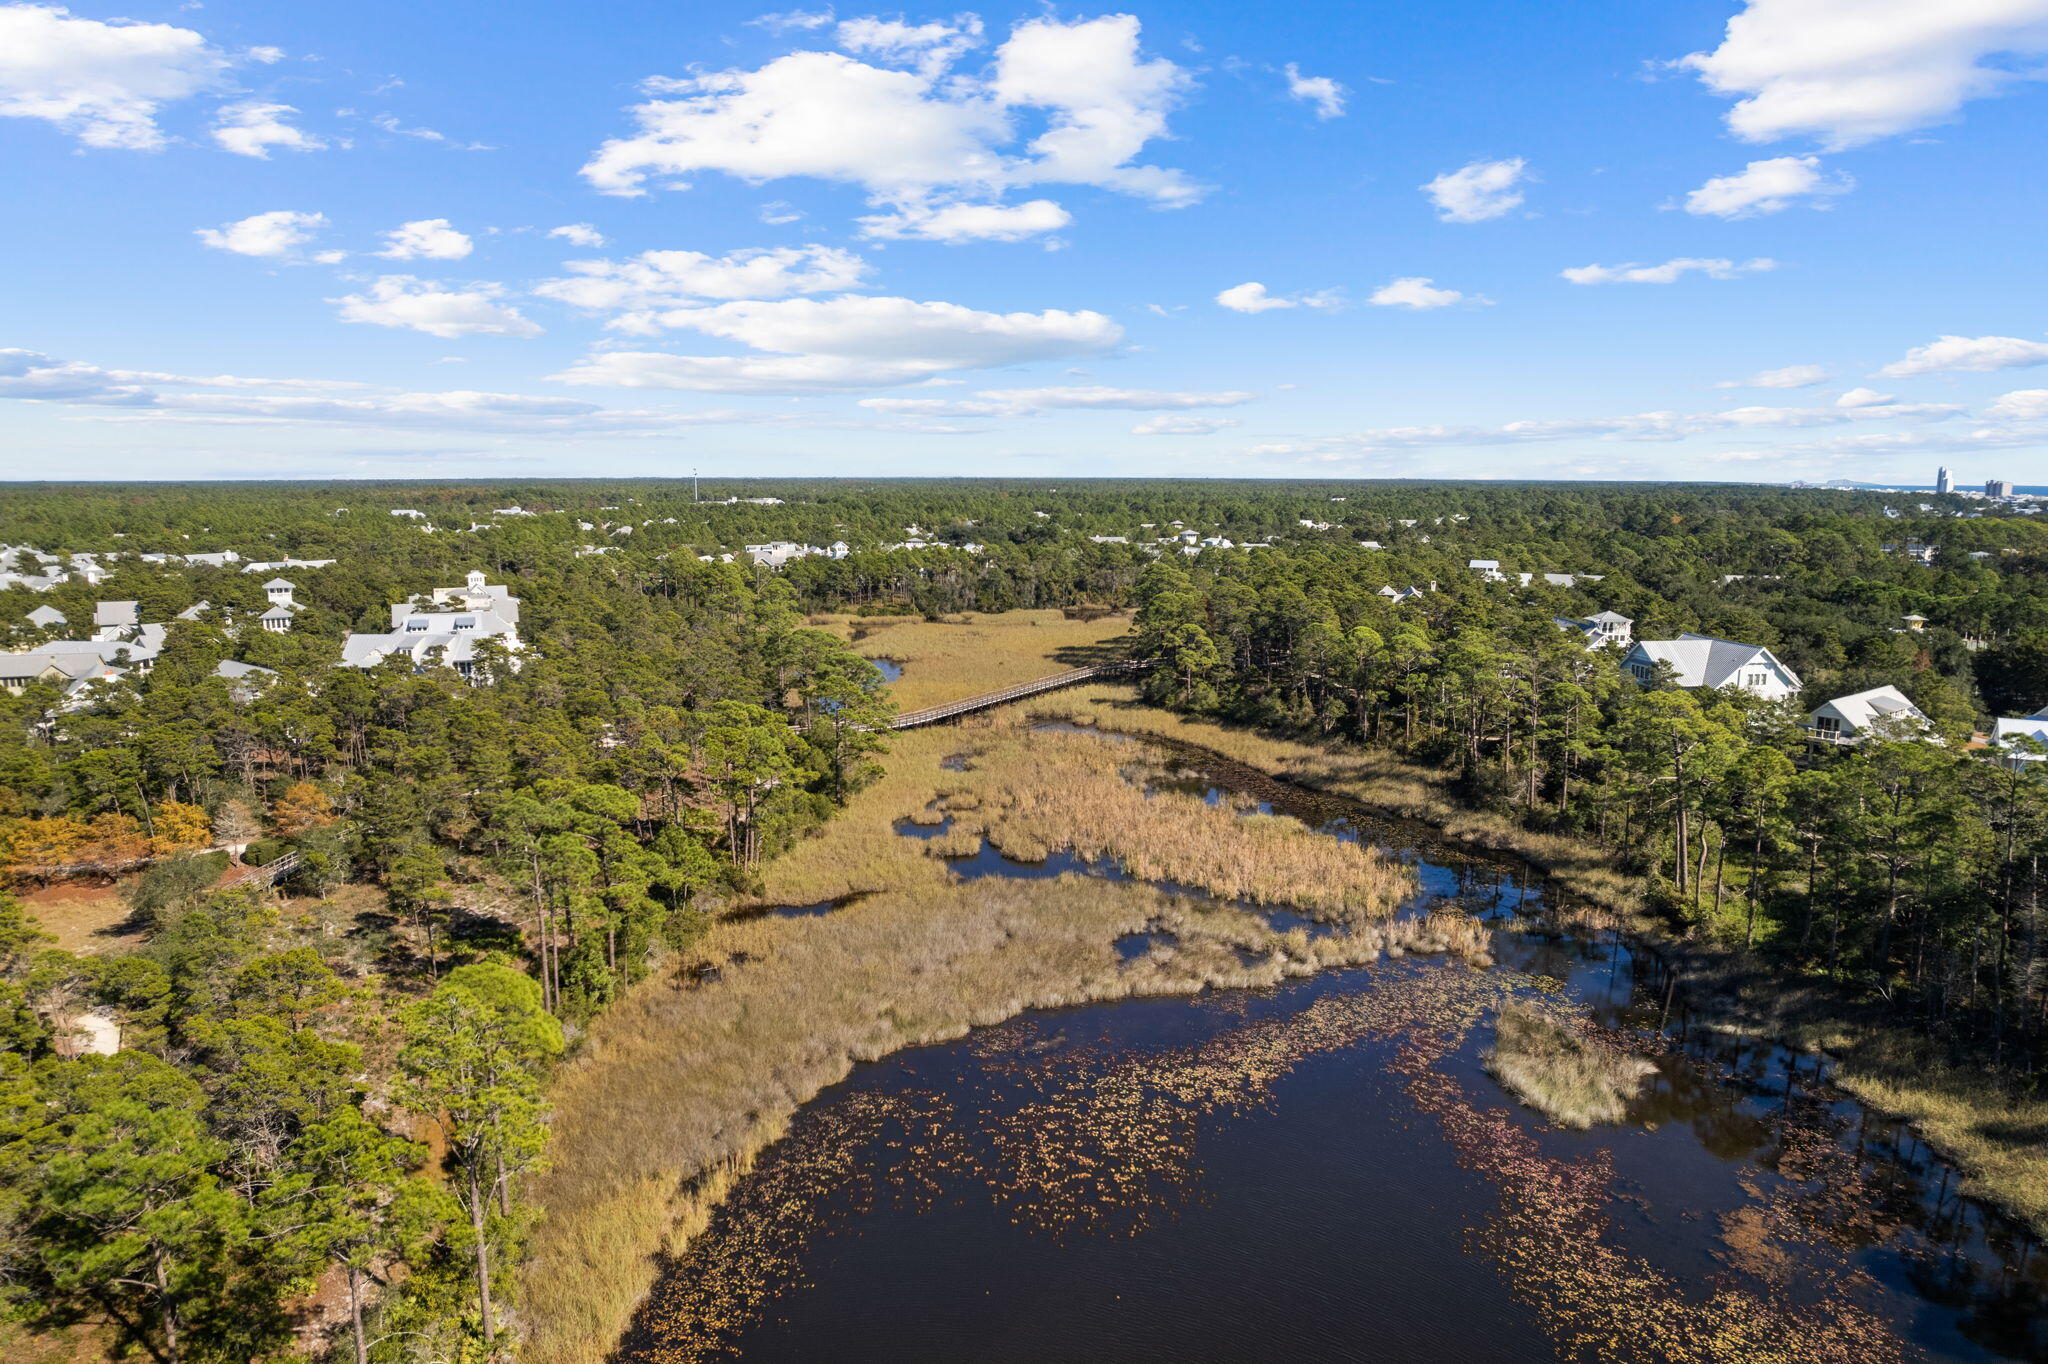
316,1123
1909,869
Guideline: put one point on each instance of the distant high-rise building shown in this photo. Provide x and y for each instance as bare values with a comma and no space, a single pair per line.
1942,482
1998,487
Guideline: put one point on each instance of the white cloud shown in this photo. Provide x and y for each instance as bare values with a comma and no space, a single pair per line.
775,213
1851,71
1251,297
1865,397
252,128
1791,376
959,222
2024,404
1021,402
578,234
1766,187
925,139
1975,353
132,396
1641,426
851,342
431,238
264,234
668,279
425,306
929,47
1669,272
1418,293
101,82
1183,426
786,20
1481,190
1327,95
390,124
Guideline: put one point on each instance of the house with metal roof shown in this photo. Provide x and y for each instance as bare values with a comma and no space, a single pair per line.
1883,712
1704,661
432,638
1609,627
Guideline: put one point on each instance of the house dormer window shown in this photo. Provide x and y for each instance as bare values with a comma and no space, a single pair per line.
416,626
1756,679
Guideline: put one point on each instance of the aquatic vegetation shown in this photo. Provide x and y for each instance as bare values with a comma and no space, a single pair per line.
1559,1071
688,1075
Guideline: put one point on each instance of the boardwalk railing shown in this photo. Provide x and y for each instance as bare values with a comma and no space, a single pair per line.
269,874
931,715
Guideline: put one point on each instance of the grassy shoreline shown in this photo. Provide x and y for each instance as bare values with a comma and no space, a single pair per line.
682,1083
679,1088
1998,1141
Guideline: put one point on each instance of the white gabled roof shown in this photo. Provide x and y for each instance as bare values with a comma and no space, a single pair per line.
1704,661
1866,708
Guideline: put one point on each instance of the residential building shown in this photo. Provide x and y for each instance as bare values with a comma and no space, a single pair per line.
43,617
274,565
1704,661
1488,569
1943,483
431,638
1609,627
776,553
1881,711
2016,735
1998,487
114,619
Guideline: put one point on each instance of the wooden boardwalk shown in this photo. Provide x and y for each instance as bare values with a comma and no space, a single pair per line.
932,715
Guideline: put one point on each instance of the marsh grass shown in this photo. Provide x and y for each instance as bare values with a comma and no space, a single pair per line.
685,1080
972,653
1560,1072
1996,1136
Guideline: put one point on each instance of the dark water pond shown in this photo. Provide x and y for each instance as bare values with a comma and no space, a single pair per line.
1325,1171
891,670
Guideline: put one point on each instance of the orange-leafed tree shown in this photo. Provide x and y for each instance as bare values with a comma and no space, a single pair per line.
177,826
40,848
112,843
302,806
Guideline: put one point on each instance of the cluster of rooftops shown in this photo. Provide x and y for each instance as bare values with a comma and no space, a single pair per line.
445,628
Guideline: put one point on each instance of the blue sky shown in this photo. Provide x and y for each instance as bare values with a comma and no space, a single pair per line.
1751,240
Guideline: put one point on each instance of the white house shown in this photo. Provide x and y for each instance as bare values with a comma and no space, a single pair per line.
1609,627
1883,711
1488,569
1703,661
2011,734
43,617
480,611
776,553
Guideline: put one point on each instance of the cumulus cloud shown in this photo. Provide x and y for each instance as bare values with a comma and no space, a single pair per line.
667,279
1865,397
1021,402
1481,190
280,233
103,83
578,234
1169,425
930,47
1851,71
428,238
1670,272
2025,404
1418,293
1767,187
1251,297
1327,95
964,222
1791,376
851,342
1974,353
252,128
424,306
923,140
